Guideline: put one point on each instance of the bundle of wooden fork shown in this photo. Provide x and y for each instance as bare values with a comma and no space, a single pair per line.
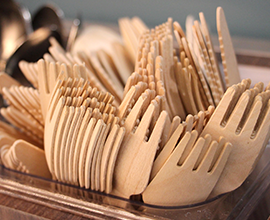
176,131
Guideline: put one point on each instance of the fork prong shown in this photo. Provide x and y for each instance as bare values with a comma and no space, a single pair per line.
200,122
135,112
205,164
253,93
208,140
259,86
252,118
167,150
262,126
53,74
223,105
42,77
238,111
192,157
222,159
126,102
190,120
179,149
146,119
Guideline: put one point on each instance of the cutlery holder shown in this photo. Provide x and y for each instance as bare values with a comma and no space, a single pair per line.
238,204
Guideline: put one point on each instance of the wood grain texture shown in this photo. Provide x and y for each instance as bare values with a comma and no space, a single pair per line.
13,206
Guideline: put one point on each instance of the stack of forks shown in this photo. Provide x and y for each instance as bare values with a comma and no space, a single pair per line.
175,131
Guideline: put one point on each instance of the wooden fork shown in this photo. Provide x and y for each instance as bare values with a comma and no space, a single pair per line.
243,118
182,183
196,122
228,56
135,158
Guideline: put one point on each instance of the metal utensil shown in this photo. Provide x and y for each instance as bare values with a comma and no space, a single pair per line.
15,25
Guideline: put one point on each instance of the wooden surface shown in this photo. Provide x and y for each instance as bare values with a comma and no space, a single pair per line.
13,206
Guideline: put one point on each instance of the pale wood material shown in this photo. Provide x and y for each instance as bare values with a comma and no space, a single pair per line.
98,37
82,136
25,157
43,86
106,62
70,153
89,159
154,65
196,122
13,132
7,81
51,125
24,124
205,90
242,117
130,36
108,145
213,82
58,142
187,57
229,60
135,158
174,101
211,51
189,23
31,158
105,78
203,38
112,160
81,58
198,181
167,150
27,101
80,131
183,79
29,70
68,128
5,139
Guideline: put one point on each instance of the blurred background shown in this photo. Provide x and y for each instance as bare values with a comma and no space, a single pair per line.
246,18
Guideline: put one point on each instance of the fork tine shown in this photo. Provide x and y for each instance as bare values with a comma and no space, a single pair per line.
239,109
205,164
189,120
190,161
262,126
135,112
254,92
52,75
208,140
223,105
166,151
246,84
126,102
222,159
253,116
259,86
146,119
42,76
179,149
188,148
174,124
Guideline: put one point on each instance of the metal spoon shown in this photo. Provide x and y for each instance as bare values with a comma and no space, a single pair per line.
31,50
50,16
15,25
